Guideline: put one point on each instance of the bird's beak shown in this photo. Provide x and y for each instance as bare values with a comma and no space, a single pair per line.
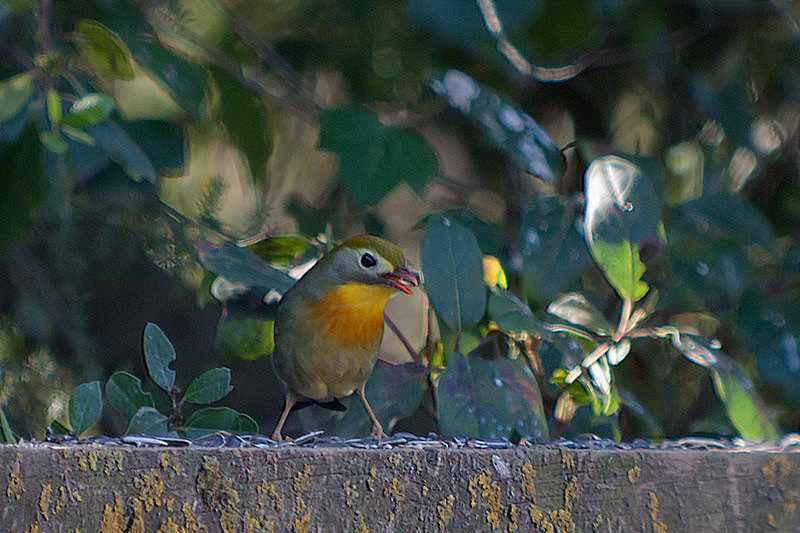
401,279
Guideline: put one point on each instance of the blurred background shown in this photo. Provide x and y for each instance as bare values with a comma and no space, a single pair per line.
132,130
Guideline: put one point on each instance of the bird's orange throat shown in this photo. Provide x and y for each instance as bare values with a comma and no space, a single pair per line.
350,315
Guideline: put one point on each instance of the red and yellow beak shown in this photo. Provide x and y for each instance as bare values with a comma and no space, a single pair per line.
401,279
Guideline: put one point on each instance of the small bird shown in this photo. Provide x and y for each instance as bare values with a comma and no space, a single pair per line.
329,325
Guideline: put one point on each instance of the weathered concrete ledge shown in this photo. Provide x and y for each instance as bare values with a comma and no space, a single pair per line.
114,489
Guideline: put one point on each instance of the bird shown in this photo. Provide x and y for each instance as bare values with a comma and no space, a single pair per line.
329,325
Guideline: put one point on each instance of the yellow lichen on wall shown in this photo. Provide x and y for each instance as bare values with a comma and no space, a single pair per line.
266,492
652,507
634,473
15,486
776,473
151,489
113,462
513,523
44,501
444,510
350,493
167,462
115,521
301,482
528,481
373,477
490,492
359,526
559,519
87,460
219,494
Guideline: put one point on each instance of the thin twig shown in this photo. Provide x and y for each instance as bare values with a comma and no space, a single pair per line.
399,334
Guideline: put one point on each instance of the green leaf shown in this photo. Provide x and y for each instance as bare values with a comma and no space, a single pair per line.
211,419
6,434
729,216
113,140
744,406
107,53
489,399
124,393
393,392
554,255
91,109
511,314
241,266
158,354
770,328
59,428
452,266
54,111
245,119
622,214
210,387
574,308
518,135
54,142
22,187
15,93
281,249
245,337
85,406
148,421
375,158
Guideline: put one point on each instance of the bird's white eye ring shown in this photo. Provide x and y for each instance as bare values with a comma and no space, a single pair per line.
367,260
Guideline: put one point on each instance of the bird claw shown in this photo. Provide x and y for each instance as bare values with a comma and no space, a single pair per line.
377,433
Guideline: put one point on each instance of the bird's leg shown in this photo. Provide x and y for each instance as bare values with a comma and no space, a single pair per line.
377,429
291,399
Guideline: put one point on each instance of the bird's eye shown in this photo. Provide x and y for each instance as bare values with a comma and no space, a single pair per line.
368,261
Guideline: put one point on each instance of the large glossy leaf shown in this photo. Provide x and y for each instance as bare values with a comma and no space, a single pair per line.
452,266
489,399
209,387
85,406
241,266
393,392
728,216
744,406
212,419
245,119
113,140
511,314
554,255
104,49
183,79
574,308
514,132
124,393
158,354
245,337
374,158
22,187
622,213
148,421
770,328
15,92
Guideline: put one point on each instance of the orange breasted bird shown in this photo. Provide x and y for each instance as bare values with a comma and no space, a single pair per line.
329,325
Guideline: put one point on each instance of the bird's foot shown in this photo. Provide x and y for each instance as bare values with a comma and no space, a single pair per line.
377,433
277,437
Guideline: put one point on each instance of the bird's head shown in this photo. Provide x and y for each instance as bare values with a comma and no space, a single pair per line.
369,260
